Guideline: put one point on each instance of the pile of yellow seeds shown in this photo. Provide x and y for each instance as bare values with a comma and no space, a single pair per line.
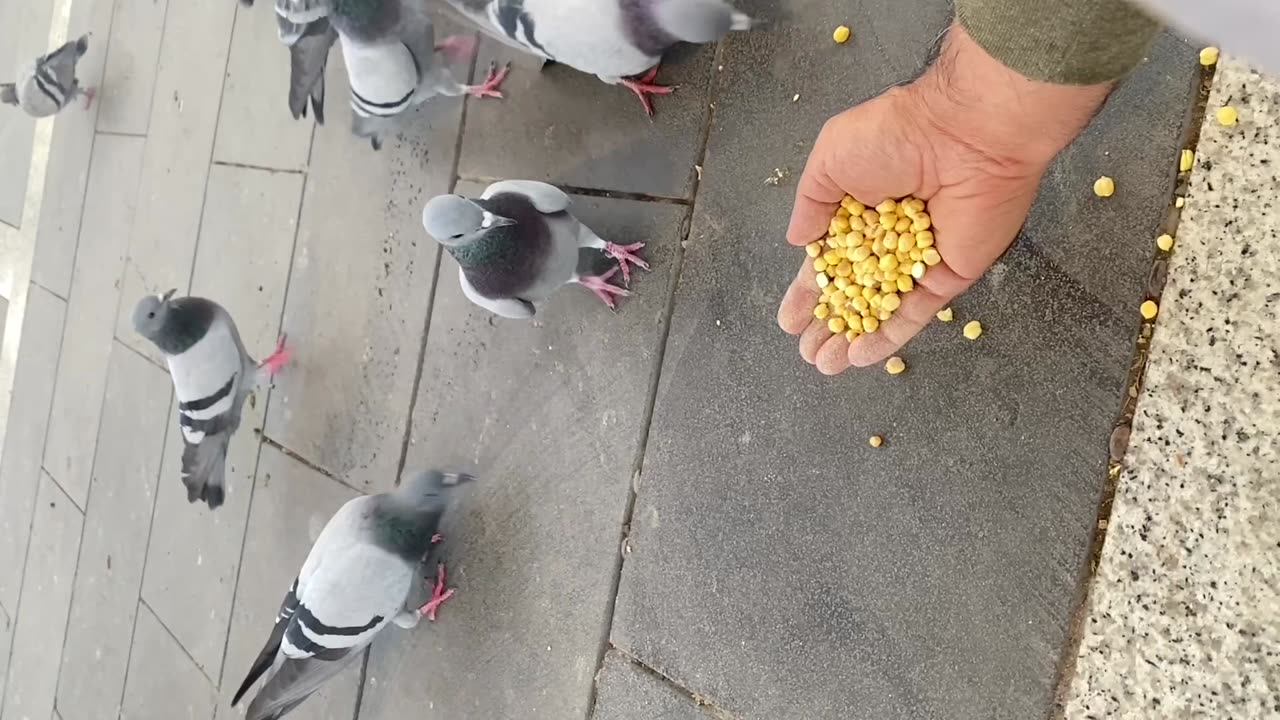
870,258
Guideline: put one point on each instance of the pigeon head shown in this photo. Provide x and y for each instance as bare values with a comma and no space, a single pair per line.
454,220
429,487
151,315
8,94
698,21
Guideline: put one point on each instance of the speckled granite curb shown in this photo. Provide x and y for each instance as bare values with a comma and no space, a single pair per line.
1184,613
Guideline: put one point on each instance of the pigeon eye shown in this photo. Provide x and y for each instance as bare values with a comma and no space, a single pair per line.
151,314
456,237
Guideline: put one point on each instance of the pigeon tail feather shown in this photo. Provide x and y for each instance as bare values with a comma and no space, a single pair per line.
204,469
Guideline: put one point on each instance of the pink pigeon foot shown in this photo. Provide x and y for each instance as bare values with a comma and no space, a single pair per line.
436,538
277,359
438,596
457,48
89,94
489,88
599,284
644,86
623,254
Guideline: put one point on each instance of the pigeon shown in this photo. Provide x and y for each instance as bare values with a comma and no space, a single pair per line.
393,63
212,375
49,84
356,580
518,243
621,41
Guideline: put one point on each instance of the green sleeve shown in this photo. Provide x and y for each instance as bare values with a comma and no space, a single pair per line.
1073,42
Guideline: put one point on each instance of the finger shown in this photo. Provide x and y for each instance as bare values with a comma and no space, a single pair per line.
918,309
833,356
817,197
796,311
812,339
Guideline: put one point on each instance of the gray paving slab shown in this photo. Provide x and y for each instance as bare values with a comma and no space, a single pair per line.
194,553
359,290
70,150
176,166
129,79
33,381
566,127
1136,141
25,39
117,522
46,598
291,504
255,127
781,566
626,691
548,414
164,682
91,311
6,642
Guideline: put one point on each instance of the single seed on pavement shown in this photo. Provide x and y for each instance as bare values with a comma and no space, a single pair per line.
876,441
1187,160
1179,201
972,330
946,315
841,35
895,365
1165,242
1209,56
1149,309
1104,187
1228,116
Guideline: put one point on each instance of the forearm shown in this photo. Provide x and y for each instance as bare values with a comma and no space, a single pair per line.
1074,42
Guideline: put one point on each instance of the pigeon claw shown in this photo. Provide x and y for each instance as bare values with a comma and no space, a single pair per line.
89,94
644,86
599,284
439,594
277,359
489,88
624,255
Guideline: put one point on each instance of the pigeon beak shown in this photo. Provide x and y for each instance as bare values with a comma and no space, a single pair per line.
495,221
165,297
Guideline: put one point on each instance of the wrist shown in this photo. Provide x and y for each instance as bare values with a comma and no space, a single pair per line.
972,98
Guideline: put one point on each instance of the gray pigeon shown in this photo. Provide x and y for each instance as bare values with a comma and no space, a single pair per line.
212,375
621,41
356,580
518,243
393,63
49,83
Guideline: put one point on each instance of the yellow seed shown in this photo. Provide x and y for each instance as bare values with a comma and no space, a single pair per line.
931,257
875,232
1209,56
1186,161
895,365
918,268
841,282
891,275
1228,116
877,301
821,312
836,325
876,441
831,256
1104,187
849,317
945,314
973,329
891,302
902,225
888,220
1149,309
922,222
888,287
924,239
870,216
857,224
860,303
916,254
853,291
887,206
905,284
851,335
868,293
1165,242
890,241
823,280
860,253
1179,201
813,249
869,324
888,262
883,314
878,248
841,35
844,269
841,224
855,207
819,264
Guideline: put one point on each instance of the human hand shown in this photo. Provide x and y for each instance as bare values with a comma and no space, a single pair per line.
970,137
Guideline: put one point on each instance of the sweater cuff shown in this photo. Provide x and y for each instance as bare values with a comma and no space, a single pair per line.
1070,42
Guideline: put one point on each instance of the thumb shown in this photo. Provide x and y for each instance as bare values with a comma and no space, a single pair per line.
817,197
